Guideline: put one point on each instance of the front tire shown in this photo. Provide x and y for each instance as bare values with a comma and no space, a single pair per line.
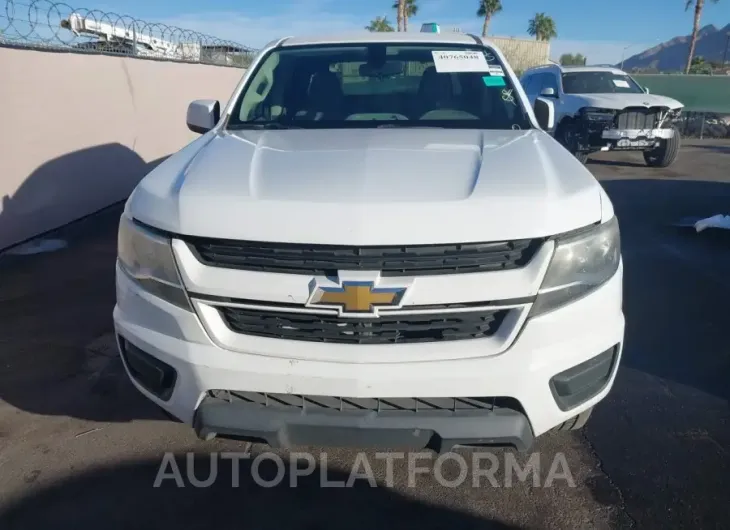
666,153
566,136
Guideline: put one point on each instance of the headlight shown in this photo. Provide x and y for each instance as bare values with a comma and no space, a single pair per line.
580,264
593,114
147,259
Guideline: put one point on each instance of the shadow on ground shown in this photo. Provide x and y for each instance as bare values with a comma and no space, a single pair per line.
617,163
676,284
54,305
711,147
257,495
663,433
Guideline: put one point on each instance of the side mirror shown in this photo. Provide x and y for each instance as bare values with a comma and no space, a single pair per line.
203,114
545,113
548,93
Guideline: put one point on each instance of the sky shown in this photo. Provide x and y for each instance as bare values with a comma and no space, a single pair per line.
602,31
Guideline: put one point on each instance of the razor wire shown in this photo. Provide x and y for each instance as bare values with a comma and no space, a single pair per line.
46,25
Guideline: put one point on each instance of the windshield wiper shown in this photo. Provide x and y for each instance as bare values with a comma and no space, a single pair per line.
407,124
275,125
272,125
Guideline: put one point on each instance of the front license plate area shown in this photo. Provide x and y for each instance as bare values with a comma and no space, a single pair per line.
308,435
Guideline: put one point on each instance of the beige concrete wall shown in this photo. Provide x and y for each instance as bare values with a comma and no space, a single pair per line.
523,53
77,132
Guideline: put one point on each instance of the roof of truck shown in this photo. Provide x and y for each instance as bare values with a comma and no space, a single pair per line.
451,37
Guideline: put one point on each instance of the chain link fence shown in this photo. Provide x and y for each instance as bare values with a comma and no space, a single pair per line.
704,125
45,25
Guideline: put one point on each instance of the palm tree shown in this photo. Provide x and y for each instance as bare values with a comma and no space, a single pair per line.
487,9
699,4
410,9
380,24
700,66
568,59
542,27
400,6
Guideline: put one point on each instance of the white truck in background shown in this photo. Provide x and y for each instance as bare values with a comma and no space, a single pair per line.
128,39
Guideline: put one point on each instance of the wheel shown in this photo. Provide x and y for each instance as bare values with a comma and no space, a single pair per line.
666,153
576,422
566,137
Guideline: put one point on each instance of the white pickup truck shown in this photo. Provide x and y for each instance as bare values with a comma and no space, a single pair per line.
375,242
600,108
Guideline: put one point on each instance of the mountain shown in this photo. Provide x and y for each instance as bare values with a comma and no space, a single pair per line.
672,55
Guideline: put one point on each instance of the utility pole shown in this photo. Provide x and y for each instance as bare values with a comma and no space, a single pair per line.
727,45
623,54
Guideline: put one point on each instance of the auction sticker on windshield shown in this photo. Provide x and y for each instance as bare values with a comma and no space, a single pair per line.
460,61
621,83
496,70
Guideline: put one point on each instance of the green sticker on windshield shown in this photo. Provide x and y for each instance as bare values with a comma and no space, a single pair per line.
493,80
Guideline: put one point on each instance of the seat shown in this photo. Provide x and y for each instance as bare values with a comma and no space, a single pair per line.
324,98
435,91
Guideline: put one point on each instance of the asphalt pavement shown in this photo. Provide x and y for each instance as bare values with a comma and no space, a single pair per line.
80,447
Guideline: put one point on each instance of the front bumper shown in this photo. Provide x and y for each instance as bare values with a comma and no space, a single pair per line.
634,139
523,377
634,134
439,430
635,129
596,138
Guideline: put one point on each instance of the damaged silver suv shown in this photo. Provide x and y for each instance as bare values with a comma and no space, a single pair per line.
604,109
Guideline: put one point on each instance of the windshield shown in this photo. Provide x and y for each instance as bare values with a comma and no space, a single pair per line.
599,83
379,85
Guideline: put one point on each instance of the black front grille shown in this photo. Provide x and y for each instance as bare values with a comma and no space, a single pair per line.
314,403
390,260
389,329
637,119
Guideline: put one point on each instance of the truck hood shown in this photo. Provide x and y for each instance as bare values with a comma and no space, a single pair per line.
621,101
369,187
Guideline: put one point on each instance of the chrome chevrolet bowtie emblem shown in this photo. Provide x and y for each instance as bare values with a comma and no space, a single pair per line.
356,298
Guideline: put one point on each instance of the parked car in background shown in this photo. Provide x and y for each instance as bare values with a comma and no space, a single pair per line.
604,109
